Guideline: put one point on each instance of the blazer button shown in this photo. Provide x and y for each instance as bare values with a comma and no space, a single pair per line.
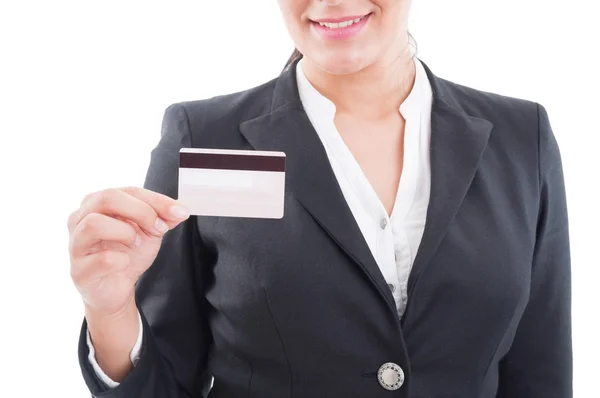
390,376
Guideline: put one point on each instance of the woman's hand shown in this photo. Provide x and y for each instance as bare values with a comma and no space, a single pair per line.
115,236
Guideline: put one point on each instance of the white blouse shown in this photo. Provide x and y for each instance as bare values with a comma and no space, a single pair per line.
393,240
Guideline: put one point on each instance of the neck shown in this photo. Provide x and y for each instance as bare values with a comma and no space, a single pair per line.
373,92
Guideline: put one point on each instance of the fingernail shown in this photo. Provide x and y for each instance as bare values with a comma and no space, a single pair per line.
161,226
138,240
179,212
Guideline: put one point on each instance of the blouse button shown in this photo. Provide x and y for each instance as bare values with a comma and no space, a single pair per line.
383,223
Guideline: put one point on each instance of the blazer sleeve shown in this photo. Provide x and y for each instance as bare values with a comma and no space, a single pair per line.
169,294
540,361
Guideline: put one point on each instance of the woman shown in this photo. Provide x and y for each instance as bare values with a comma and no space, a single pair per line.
424,250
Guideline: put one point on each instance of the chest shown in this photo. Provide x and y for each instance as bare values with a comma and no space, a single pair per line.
378,148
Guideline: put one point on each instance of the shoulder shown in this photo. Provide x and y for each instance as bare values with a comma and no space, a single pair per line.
516,121
501,110
234,107
215,121
521,135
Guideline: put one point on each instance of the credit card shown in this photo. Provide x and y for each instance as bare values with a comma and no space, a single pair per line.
232,183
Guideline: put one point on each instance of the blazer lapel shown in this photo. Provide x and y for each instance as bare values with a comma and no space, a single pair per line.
457,144
309,176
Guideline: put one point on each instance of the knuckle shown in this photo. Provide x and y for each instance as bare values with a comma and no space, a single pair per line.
87,197
75,273
71,246
72,219
90,223
132,236
106,259
129,189
104,199
111,260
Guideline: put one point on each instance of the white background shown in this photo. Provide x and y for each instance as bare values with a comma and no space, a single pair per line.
83,87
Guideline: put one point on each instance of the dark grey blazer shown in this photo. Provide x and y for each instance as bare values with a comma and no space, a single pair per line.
298,307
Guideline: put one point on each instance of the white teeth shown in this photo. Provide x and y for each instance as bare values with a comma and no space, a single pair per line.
339,25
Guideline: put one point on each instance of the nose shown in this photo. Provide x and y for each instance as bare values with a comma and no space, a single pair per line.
331,2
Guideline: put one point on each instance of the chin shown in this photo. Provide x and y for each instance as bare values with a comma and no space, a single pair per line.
344,63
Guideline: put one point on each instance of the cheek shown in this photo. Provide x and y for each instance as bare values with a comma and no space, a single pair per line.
392,24
293,12
394,13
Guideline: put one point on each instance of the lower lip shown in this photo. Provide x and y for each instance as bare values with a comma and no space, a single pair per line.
340,33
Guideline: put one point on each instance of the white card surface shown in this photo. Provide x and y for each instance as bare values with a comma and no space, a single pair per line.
232,183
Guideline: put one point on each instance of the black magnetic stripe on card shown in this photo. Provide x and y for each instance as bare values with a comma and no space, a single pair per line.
189,160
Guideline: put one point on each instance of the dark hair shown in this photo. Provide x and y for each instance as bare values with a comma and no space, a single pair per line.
296,55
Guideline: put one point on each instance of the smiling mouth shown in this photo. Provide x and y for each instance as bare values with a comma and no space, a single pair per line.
341,24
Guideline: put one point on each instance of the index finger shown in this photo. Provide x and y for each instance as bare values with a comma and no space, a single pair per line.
170,210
